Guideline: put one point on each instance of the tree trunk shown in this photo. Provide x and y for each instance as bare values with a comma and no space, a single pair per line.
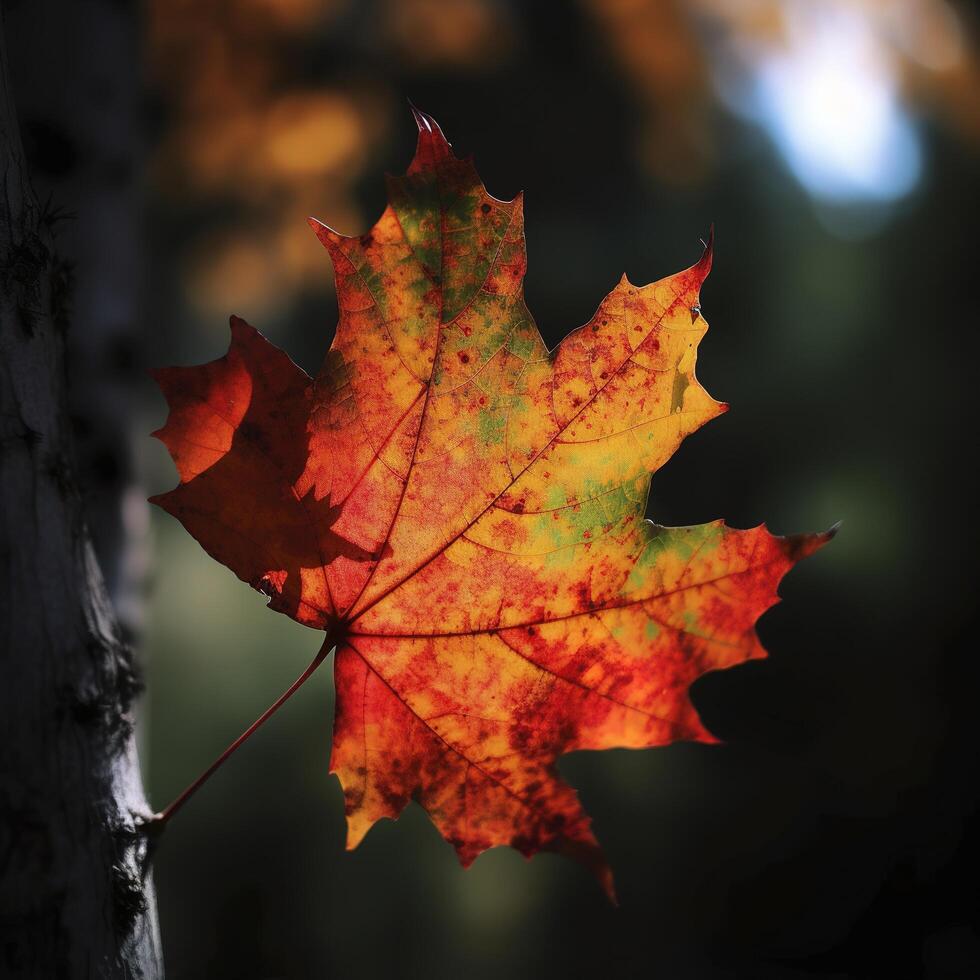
76,70
74,901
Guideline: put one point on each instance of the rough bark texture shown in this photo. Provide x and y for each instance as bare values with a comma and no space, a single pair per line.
73,902
75,68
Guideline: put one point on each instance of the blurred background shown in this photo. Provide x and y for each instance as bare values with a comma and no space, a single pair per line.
181,144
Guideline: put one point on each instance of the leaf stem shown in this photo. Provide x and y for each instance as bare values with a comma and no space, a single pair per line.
162,818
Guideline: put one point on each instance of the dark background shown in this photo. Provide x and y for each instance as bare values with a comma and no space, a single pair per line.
182,144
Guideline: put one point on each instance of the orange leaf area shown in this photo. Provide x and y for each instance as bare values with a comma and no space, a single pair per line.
463,512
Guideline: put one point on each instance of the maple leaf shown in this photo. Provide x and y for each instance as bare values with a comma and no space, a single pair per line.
463,512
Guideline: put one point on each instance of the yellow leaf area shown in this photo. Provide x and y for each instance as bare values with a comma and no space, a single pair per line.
462,511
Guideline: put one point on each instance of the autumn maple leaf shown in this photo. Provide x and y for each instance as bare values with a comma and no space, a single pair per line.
462,511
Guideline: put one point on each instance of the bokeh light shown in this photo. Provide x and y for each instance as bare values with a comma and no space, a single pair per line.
831,102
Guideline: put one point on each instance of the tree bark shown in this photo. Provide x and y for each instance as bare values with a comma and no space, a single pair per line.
76,70
74,899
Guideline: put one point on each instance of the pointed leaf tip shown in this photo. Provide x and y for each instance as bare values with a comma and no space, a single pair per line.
589,854
798,546
421,119
608,886
425,122
703,265
330,239
432,147
243,333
